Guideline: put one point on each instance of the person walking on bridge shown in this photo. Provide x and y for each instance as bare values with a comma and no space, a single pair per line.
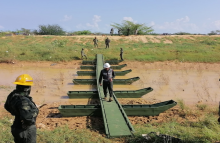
21,105
107,75
83,54
95,42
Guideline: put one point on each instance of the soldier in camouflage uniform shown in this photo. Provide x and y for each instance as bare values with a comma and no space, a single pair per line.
95,42
121,54
21,105
119,32
112,31
83,54
107,41
128,31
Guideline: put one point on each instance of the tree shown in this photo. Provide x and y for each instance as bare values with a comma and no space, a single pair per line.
50,30
84,32
216,32
182,33
142,28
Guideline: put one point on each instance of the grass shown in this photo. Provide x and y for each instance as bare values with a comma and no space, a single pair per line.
43,48
203,130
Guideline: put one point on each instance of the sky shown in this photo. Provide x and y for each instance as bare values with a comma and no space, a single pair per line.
165,16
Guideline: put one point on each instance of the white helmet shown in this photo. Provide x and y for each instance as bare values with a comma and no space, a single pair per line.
106,65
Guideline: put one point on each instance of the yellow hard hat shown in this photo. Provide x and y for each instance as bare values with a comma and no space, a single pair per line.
24,79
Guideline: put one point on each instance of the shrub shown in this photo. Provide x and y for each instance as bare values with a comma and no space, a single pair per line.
50,30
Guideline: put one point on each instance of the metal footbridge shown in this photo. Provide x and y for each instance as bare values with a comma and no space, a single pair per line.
115,120
114,114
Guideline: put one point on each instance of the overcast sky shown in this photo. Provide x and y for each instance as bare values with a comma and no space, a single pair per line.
166,16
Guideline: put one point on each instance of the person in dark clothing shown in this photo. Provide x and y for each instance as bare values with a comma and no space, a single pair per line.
107,75
107,41
83,54
112,31
119,32
21,105
128,30
121,54
136,32
95,42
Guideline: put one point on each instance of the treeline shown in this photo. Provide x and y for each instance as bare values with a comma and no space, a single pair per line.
58,30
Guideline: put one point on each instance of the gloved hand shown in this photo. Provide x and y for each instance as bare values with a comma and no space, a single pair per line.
24,126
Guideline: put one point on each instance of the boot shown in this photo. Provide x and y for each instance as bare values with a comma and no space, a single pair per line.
105,98
110,99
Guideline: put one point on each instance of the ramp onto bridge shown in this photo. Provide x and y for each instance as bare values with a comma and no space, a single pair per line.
116,121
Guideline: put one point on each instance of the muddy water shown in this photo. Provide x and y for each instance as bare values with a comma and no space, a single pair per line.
52,84
191,86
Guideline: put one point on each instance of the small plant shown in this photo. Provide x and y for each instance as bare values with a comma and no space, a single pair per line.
201,106
181,104
59,43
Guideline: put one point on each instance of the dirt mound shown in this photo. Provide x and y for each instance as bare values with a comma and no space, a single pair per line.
136,101
50,118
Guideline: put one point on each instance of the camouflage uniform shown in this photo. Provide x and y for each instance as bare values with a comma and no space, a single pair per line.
121,54
95,42
119,32
107,41
128,31
83,54
112,31
20,105
136,31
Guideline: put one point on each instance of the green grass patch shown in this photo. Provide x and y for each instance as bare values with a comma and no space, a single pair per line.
58,48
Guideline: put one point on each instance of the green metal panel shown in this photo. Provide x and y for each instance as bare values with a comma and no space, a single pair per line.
115,81
119,94
88,67
111,62
80,110
94,67
130,110
88,62
148,110
83,94
119,66
133,93
85,81
93,73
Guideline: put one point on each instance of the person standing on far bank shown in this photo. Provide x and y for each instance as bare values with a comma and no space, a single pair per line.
83,54
21,105
112,31
107,75
128,31
119,32
107,41
95,42
121,54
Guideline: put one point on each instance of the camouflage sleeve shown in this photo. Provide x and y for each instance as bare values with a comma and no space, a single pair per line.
7,105
27,114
